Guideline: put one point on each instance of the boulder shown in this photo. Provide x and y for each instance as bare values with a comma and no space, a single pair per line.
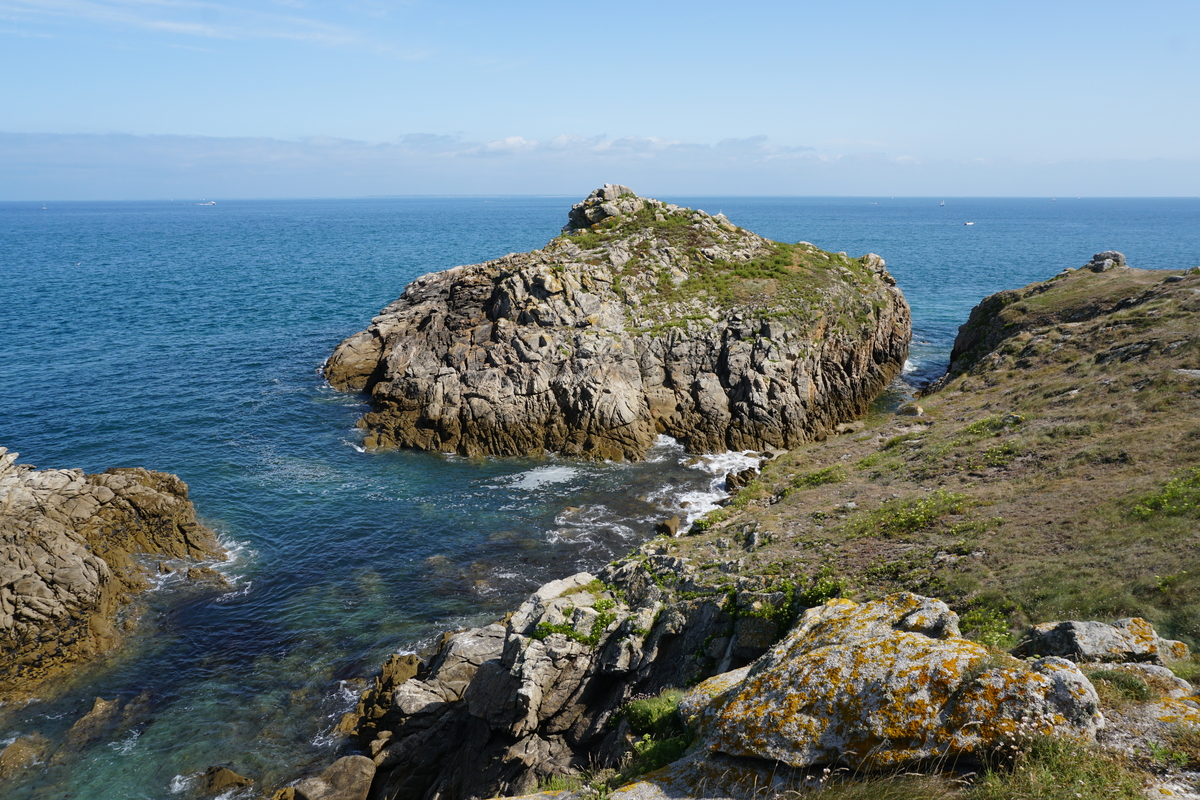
736,480
500,708
1103,262
881,685
642,319
1130,639
348,778
668,527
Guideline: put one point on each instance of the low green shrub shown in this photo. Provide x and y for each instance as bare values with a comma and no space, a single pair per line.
656,716
906,515
1180,497
819,477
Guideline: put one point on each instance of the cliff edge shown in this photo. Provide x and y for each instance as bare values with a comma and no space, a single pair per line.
641,318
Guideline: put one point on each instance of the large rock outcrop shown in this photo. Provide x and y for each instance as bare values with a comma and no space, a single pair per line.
499,709
883,685
642,318
68,559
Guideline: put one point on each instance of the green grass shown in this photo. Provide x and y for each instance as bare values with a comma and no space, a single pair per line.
987,626
705,523
604,618
824,587
993,425
1183,742
657,716
819,477
1180,497
1117,688
1048,768
901,516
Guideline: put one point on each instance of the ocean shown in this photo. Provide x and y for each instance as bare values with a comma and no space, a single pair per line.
189,338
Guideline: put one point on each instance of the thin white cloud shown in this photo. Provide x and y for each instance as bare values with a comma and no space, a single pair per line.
751,149
122,166
198,18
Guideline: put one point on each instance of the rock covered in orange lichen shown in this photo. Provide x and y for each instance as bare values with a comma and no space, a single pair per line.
1130,639
882,684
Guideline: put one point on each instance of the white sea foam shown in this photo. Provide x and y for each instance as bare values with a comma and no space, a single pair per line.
125,746
665,448
542,476
182,783
909,367
721,463
343,699
692,504
242,592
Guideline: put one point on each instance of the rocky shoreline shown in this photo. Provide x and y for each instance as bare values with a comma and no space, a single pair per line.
548,695
643,318
71,550
1051,470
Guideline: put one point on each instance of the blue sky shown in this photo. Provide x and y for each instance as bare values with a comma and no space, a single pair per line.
113,99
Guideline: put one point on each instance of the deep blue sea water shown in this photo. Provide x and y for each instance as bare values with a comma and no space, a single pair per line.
189,339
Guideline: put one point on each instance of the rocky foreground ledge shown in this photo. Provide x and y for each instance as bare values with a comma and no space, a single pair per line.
553,691
642,318
69,544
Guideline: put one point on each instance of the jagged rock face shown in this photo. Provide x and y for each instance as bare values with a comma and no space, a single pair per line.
642,318
881,685
67,545
501,707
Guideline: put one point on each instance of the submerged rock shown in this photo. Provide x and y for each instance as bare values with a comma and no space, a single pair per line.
642,318
22,754
68,559
219,779
882,685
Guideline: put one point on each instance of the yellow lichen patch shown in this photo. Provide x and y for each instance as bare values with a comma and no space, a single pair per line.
882,684
1175,711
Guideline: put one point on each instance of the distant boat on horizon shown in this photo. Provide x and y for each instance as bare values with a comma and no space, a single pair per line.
209,203
942,203
968,223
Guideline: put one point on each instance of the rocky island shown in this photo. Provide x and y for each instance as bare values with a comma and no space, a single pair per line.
1046,484
69,560
642,319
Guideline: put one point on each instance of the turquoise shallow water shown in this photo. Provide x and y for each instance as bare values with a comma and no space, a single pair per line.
189,338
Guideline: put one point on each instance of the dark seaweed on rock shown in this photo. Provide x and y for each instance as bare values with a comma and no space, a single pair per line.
642,318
